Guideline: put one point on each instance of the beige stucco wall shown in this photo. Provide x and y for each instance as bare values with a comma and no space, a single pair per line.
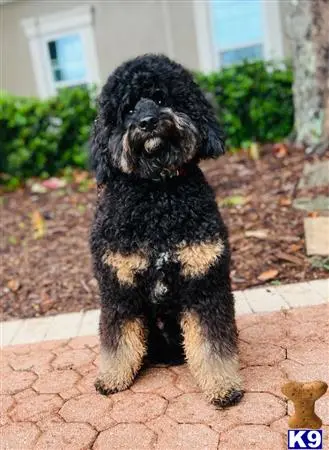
138,27
122,30
184,33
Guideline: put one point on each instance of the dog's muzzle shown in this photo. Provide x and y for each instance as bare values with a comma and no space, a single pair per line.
152,144
147,114
148,123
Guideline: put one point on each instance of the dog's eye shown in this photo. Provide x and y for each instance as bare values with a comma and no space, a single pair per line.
130,109
158,97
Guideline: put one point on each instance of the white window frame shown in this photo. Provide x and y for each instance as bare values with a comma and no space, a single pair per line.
273,30
209,60
41,30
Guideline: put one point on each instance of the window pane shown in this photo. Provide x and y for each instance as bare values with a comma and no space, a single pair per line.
52,50
237,24
58,75
240,54
67,58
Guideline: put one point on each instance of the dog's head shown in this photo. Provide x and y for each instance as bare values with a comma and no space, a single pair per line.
152,120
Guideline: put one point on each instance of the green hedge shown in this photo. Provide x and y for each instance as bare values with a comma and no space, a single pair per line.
41,137
254,101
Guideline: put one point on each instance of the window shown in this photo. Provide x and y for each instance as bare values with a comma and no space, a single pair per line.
237,30
229,31
68,64
63,50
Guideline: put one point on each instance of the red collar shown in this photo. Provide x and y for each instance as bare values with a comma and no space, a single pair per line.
180,172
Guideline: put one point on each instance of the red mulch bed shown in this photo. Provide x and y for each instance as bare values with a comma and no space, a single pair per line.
52,274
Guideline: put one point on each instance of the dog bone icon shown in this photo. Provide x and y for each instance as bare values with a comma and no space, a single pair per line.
304,396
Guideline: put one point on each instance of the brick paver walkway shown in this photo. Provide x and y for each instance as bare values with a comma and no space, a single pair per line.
49,402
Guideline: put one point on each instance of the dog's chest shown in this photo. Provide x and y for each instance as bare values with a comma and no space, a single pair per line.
187,261
160,239
161,219
164,273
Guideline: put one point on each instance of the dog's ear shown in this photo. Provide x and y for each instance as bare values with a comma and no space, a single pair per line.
99,152
213,143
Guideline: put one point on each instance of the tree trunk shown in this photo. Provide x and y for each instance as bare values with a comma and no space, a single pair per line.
309,31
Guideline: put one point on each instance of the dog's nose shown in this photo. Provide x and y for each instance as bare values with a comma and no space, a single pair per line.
148,123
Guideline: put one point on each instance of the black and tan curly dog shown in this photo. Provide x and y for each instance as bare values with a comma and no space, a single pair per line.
159,245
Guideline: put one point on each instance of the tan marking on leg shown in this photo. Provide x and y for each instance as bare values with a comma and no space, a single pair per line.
118,368
217,376
126,266
196,259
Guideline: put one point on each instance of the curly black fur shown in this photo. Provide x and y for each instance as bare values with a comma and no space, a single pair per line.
154,125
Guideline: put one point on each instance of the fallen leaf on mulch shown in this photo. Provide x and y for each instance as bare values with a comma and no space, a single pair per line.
37,188
54,183
93,283
38,225
86,185
268,275
313,214
259,234
12,240
286,238
280,150
295,247
80,176
42,302
233,200
290,258
46,302
13,285
254,151
285,201
237,279
85,286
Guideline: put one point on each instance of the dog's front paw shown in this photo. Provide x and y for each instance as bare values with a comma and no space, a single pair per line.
105,387
229,398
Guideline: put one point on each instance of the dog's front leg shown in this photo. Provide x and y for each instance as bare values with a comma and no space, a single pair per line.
122,328
211,352
123,346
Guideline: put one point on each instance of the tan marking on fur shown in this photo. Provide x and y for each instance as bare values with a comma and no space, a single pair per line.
126,149
196,259
179,119
216,375
126,266
124,164
152,144
119,368
125,143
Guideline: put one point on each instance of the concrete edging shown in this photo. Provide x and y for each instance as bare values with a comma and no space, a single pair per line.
256,300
